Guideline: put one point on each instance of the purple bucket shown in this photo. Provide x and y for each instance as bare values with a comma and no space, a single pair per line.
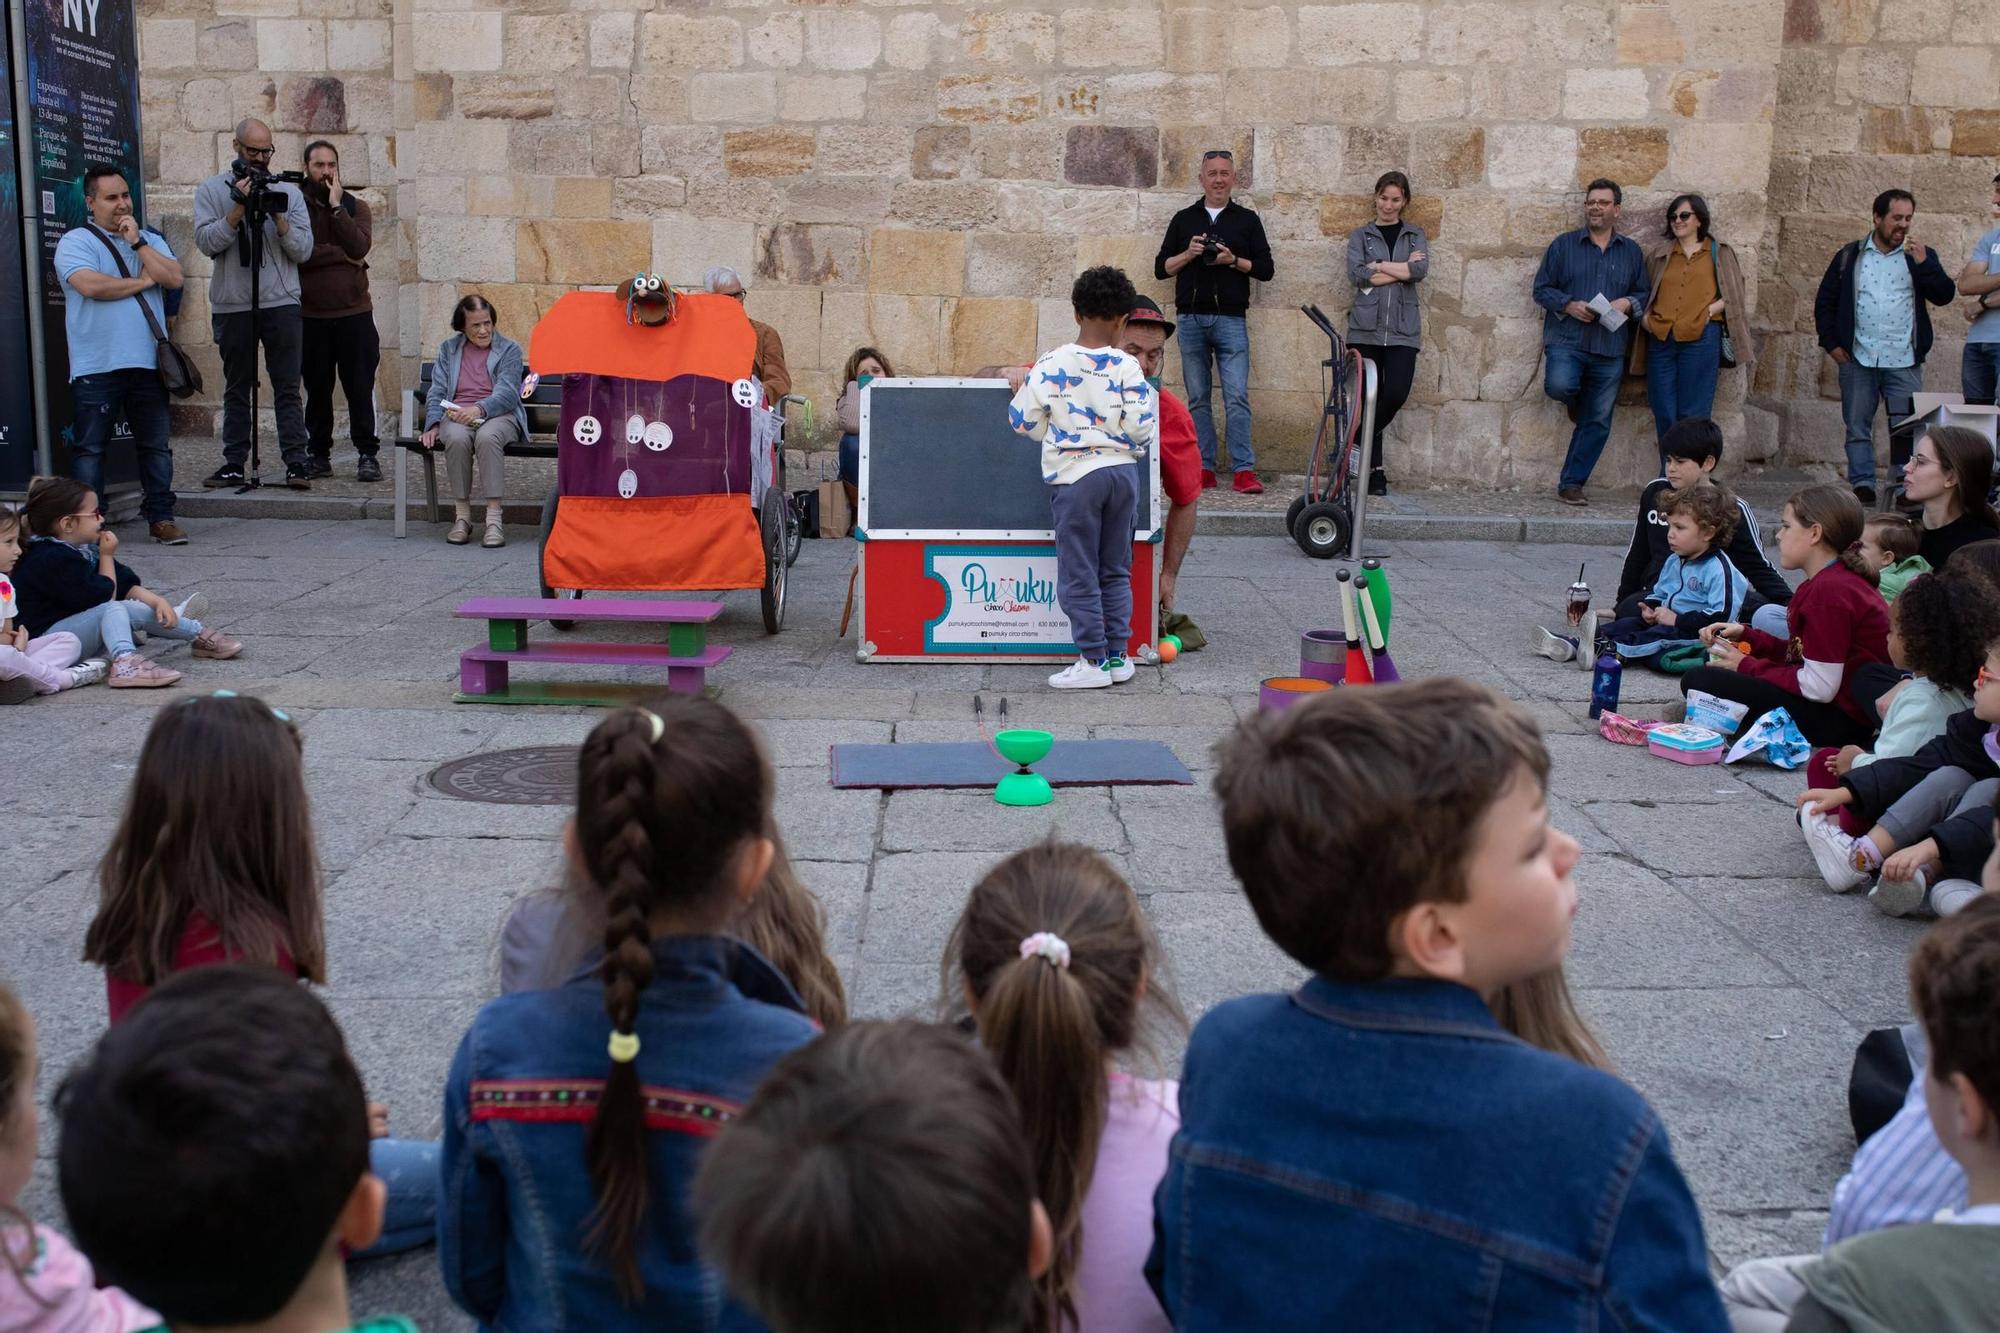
1323,655
1280,692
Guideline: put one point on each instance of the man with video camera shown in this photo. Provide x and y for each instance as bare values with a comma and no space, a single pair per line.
1213,248
255,226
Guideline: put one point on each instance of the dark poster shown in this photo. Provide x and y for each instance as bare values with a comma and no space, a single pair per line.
83,99
17,394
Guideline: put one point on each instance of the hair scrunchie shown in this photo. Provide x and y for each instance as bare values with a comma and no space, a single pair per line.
1044,945
624,1047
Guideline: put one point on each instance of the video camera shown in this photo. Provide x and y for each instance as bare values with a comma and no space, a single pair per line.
263,199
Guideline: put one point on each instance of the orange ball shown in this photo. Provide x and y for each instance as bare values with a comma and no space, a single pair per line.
1167,651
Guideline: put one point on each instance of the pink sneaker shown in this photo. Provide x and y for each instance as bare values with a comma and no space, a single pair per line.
133,672
215,644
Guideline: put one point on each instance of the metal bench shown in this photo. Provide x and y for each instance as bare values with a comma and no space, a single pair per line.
544,409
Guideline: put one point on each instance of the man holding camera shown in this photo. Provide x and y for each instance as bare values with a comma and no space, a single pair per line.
340,337
1213,248
242,216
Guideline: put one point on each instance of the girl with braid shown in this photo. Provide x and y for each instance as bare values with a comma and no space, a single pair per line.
575,1116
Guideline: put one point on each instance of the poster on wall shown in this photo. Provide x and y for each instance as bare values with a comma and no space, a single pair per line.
83,107
17,394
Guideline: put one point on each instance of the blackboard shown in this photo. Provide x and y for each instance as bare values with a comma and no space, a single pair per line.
938,457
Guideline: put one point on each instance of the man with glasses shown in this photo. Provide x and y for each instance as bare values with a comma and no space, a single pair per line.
220,205
1212,249
1591,286
769,366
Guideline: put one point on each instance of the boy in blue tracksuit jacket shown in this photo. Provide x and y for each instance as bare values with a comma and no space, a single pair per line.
1697,585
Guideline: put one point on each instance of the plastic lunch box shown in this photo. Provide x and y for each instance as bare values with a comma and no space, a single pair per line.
1685,743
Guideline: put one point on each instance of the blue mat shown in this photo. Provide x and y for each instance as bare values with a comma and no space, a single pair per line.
973,764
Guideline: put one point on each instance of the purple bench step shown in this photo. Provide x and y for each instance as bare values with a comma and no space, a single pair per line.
483,671
571,608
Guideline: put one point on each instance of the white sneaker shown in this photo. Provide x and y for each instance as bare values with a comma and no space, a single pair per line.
1951,895
1081,674
193,607
1555,647
1121,669
1901,897
1832,850
89,671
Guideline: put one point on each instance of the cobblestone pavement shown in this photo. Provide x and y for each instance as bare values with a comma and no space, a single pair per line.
1728,985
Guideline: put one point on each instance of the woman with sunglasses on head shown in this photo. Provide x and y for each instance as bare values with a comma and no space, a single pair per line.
1697,303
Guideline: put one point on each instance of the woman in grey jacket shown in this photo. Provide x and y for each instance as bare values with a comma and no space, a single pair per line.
1386,259
474,405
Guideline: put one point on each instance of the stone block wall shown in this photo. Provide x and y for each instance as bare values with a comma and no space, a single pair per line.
928,177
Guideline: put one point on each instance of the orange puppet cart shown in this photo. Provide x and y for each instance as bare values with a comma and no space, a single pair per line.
670,474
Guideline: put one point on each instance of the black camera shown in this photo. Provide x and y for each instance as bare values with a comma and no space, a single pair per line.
1212,243
263,198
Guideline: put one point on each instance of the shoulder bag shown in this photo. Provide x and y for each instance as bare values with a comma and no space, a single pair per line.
1728,343
179,376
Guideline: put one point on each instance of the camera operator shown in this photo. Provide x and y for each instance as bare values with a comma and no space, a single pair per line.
1212,249
243,210
340,337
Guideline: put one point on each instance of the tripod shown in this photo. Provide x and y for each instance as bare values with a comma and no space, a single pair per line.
250,252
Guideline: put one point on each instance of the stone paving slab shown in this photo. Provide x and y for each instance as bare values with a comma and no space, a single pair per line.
1728,985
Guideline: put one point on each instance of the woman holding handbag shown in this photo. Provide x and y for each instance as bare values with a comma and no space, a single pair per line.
1697,319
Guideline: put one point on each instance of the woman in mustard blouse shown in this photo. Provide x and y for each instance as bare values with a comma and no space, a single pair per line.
1697,295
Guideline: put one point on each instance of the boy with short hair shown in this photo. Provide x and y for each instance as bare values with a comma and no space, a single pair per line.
1374,1151
214,1156
1942,1275
879,1179
1089,405
1693,448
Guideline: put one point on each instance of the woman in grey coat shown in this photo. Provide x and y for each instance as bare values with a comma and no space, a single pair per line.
474,407
1386,259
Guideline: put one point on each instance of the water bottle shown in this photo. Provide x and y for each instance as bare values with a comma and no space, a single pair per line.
1604,682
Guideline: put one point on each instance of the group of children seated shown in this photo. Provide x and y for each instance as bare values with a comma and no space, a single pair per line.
667,1123
1886,657
71,614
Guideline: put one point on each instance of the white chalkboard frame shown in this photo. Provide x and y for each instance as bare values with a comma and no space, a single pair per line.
1147,528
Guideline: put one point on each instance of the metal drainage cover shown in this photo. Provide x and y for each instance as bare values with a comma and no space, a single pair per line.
538,775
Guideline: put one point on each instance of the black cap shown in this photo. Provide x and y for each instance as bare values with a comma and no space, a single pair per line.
1147,311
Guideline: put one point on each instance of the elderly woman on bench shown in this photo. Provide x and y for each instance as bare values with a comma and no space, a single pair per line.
474,406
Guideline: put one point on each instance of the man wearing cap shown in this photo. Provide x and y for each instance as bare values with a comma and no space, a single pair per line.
1147,330
1212,249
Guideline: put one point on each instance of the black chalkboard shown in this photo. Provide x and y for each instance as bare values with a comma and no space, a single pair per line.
937,455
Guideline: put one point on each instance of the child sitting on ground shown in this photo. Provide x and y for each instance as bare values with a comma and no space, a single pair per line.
214,1156
1889,545
574,1117
1931,811
69,582
214,862
879,1180
1837,623
1095,415
1938,632
1692,448
29,667
45,1285
1942,1275
1054,956
1697,585
1373,1151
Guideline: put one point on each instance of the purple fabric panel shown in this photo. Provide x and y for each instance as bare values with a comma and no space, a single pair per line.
709,453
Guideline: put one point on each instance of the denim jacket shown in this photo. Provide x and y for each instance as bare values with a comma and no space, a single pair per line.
1384,1156
517,1199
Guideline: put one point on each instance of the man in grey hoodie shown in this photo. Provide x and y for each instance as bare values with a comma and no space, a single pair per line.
286,242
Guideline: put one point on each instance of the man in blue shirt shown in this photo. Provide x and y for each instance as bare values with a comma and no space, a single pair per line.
1871,320
1979,370
112,358
1584,357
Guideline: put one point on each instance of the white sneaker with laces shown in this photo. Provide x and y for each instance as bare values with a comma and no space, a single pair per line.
194,607
89,671
1555,647
1082,674
1832,850
1121,669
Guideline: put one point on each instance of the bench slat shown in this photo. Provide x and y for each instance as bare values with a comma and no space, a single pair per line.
564,608
602,654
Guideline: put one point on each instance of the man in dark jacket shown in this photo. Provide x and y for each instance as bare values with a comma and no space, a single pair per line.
1871,320
339,316
1212,249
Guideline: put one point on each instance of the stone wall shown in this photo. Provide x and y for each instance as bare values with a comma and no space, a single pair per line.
929,177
